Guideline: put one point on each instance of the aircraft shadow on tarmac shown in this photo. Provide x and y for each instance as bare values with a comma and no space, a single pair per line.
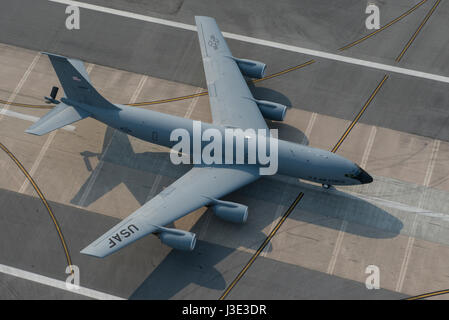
200,273
118,150
333,203
285,131
179,269
263,93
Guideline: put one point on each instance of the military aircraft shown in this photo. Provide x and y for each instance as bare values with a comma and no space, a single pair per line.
232,106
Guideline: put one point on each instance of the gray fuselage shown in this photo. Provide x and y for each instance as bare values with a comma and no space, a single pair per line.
295,160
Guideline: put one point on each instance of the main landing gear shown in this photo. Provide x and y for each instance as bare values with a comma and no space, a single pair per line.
326,186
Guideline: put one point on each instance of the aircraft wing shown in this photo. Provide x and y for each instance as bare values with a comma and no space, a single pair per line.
195,189
232,104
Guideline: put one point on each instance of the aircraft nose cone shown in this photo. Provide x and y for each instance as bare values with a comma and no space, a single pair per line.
364,177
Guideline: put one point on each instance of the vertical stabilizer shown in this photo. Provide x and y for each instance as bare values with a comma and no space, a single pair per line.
76,83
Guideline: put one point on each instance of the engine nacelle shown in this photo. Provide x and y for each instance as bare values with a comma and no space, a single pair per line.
230,211
178,239
272,110
251,68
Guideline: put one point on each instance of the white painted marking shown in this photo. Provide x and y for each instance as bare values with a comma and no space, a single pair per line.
22,274
89,68
433,158
411,239
20,84
27,117
138,90
193,104
267,43
369,146
44,149
38,160
309,128
98,168
156,182
337,247
401,206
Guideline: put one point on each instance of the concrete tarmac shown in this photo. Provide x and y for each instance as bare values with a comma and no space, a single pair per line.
95,176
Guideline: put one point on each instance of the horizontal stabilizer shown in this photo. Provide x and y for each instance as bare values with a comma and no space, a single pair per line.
59,117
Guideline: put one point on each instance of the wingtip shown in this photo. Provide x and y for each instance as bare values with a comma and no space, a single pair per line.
88,252
33,131
198,18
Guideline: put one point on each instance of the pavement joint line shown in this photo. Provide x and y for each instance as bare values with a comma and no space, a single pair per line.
266,43
411,238
50,282
309,128
369,146
20,85
337,247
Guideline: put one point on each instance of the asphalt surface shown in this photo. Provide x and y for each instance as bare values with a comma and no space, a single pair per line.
406,104
29,242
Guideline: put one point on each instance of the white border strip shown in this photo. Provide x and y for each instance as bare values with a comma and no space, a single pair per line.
272,44
18,273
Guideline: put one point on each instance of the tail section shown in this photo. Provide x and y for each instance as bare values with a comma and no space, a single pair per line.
76,83
78,91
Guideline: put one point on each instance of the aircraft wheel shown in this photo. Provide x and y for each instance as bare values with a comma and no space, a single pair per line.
326,186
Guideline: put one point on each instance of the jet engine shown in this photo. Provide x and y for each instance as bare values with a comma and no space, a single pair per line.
178,239
251,68
272,110
230,211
